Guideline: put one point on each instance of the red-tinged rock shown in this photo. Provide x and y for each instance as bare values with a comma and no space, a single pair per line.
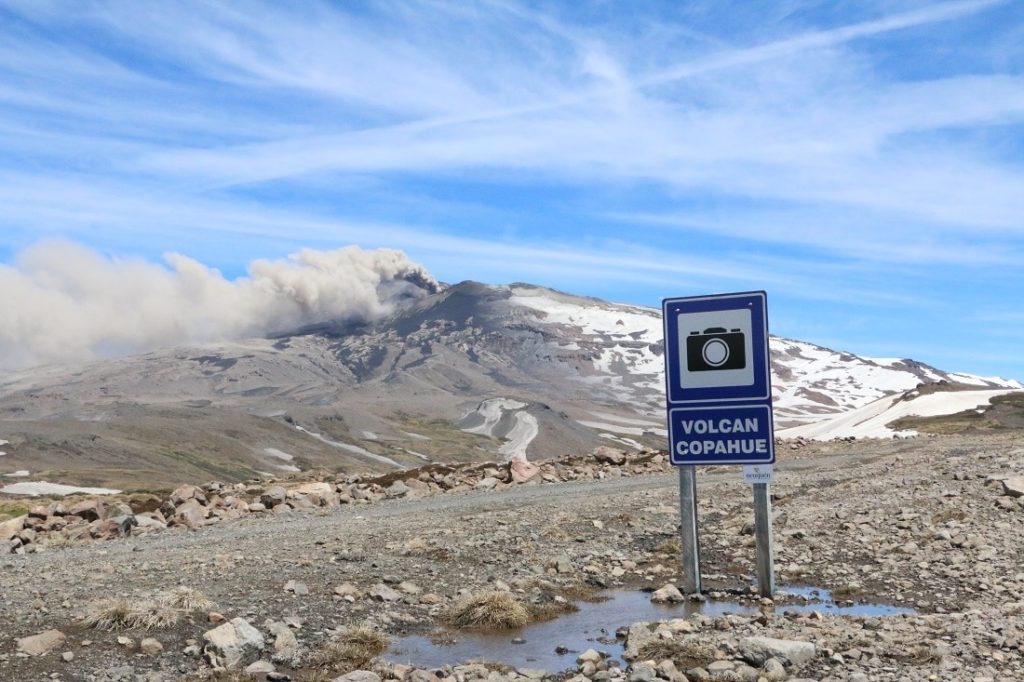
39,512
90,510
184,493
522,471
607,455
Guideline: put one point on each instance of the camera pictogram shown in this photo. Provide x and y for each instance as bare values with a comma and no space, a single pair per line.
714,349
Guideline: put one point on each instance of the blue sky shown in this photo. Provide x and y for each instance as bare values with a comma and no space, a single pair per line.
862,162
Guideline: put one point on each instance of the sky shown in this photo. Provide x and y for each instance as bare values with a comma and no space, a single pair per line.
861,162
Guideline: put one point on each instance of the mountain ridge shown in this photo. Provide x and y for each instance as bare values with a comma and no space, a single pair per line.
472,372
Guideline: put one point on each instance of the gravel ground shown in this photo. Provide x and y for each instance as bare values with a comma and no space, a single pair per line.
923,523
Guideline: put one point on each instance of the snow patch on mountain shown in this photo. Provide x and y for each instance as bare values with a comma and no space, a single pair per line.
523,431
36,488
870,420
503,418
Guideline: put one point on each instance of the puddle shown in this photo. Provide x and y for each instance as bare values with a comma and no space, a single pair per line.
592,627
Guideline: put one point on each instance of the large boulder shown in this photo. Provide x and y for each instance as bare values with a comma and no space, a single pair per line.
230,644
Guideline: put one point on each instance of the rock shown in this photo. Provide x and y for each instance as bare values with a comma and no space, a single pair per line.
90,510
669,594
667,670
409,588
522,471
68,656
358,676
607,455
151,646
397,489
773,670
381,592
347,590
273,496
191,513
41,644
286,646
300,589
487,483
1014,486
637,636
315,488
259,668
643,673
184,493
757,650
717,668
11,528
590,655
228,645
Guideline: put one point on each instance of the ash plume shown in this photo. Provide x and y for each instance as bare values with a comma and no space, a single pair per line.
63,302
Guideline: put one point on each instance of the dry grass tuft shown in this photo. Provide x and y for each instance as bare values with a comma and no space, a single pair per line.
351,649
685,654
670,547
110,614
164,610
185,599
498,610
551,609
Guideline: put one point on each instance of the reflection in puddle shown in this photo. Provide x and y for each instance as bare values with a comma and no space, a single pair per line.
592,627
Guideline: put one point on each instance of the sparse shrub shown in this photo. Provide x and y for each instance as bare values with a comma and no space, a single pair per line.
110,614
163,610
185,598
351,649
494,609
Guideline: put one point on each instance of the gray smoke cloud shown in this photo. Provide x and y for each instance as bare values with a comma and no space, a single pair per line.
63,302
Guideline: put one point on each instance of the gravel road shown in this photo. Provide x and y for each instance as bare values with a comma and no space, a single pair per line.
920,523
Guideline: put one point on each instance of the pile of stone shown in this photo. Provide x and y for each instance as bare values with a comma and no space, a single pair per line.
191,506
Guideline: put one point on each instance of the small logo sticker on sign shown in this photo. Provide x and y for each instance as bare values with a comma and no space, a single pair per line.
758,473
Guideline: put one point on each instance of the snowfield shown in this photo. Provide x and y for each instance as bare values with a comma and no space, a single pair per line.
870,421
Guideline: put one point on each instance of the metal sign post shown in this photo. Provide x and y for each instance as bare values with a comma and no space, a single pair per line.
688,544
763,533
718,390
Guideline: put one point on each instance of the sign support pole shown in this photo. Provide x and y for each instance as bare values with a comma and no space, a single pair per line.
688,542
763,533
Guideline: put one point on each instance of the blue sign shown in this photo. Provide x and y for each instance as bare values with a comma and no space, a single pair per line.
718,379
